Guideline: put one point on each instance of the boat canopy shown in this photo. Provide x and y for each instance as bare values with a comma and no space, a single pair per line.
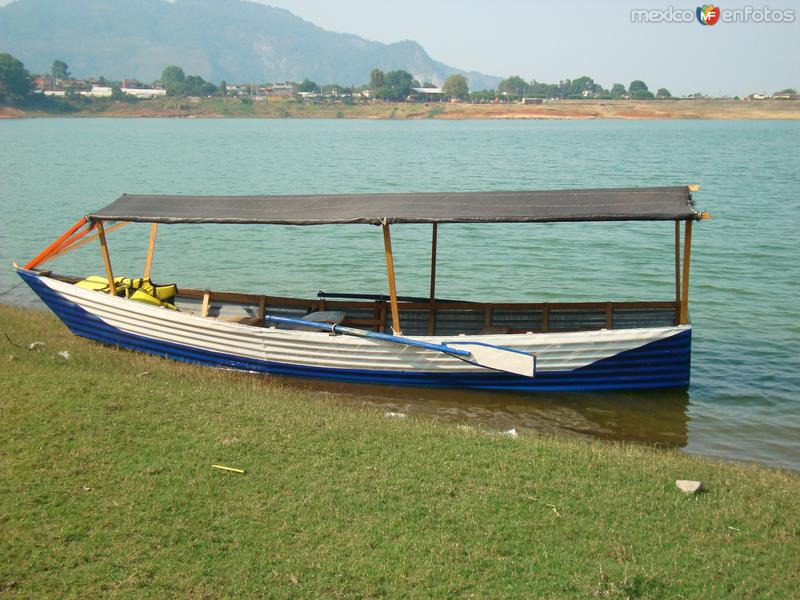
611,204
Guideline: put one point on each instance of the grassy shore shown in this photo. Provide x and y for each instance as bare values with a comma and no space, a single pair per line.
108,489
280,108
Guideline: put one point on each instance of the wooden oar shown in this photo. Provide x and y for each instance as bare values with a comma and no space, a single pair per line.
480,354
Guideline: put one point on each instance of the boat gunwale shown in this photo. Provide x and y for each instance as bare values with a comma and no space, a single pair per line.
381,307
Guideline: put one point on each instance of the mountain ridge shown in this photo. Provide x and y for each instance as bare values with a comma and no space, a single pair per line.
235,40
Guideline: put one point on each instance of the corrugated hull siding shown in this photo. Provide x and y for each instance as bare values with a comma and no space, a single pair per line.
597,360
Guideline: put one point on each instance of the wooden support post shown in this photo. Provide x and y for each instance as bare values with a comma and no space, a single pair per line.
432,308
206,303
677,272
148,263
382,318
687,252
387,246
262,308
101,234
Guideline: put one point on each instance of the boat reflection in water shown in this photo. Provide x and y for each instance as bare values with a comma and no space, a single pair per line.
658,417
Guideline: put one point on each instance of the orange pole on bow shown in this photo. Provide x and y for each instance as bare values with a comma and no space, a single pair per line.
74,244
57,244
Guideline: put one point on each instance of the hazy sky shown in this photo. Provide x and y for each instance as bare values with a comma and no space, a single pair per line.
554,40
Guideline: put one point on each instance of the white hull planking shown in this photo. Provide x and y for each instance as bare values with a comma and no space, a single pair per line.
554,351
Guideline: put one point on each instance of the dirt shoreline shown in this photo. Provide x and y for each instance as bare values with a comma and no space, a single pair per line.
558,110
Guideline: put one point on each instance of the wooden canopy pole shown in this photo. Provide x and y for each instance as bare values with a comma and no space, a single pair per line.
687,252
677,271
148,263
387,246
101,234
432,308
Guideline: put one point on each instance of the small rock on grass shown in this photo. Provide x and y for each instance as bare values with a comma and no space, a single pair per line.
64,354
396,415
512,433
687,486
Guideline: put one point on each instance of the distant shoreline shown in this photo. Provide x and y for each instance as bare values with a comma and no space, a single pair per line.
278,108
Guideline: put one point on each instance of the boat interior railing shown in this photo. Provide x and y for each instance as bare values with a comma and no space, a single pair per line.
441,317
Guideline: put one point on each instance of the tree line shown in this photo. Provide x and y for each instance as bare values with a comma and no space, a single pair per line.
580,87
16,85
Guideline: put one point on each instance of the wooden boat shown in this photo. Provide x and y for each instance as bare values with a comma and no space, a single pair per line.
392,340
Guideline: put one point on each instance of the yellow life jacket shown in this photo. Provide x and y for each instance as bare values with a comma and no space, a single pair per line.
139,290
100,284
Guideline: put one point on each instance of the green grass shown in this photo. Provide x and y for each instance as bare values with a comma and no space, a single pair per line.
107,488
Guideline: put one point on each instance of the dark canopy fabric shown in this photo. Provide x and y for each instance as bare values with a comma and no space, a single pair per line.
620,204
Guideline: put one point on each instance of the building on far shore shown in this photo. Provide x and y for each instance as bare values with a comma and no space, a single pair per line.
98,91
429,94
44,82
286,88
144,93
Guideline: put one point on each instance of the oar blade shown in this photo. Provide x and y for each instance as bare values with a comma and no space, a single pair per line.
499,359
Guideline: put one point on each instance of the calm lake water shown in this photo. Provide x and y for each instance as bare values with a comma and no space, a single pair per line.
744,401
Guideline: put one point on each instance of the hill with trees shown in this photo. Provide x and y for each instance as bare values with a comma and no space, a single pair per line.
218,39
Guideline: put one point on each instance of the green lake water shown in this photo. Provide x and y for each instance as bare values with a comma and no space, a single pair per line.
744,401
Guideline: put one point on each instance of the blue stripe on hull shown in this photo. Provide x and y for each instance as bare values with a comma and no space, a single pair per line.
661,364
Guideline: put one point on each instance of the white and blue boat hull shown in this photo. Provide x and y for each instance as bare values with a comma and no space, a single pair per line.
616,359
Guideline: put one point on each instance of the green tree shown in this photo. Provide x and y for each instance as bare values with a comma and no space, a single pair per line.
618,90
396,85
376,80
308,86
514,86
786,91
194,85
223,88
542,90
172,78
663,93
581,84
15,81
456,86
638,90
59,70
